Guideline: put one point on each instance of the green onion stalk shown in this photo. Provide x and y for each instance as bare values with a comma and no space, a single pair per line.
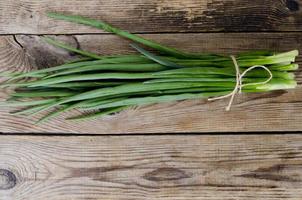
106,85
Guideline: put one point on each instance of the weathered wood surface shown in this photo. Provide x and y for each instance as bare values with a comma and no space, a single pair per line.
184,167
29,17
274,111
163,167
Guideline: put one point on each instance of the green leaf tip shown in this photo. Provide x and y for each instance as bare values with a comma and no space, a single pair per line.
70,48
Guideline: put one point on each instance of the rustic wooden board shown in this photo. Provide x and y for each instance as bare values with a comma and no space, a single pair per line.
274,111
29,16
241,167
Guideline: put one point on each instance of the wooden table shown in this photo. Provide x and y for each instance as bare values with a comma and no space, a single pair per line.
176,151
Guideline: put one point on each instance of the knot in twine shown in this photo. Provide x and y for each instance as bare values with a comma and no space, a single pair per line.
239,85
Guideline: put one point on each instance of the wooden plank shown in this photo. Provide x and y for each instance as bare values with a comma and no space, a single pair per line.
29,16
241,167
274,111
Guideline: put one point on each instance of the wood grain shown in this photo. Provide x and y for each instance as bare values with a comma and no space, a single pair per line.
241,167
29,16
274,111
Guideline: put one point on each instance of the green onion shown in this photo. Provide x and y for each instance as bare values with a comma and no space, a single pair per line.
109,84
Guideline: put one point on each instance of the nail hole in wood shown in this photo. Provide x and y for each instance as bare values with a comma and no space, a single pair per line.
292,5
8,179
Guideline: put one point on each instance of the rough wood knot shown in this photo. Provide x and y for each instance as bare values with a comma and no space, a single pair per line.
279,172
166,174
8,179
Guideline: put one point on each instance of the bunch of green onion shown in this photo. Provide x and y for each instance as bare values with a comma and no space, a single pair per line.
108,84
